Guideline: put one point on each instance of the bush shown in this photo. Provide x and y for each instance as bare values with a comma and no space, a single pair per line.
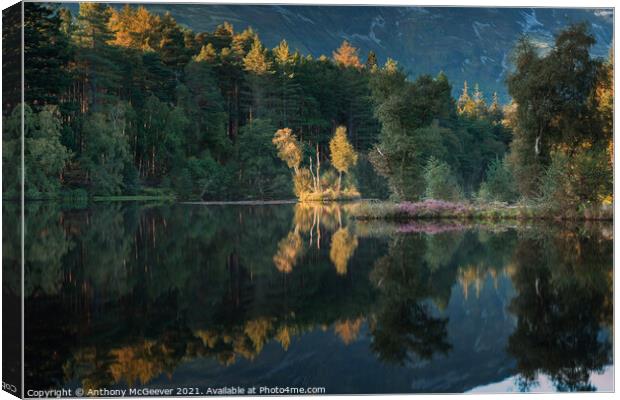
440,182
583,179
499,184
368,181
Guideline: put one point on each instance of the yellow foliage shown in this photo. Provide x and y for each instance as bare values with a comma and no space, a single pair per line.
348,330
343,155
257,331
133,27
256,60
346,56
208,338
244,348
136,363
469,275
289,148
289,249
282,53
302,182
207,54
391,66
342,248
284,337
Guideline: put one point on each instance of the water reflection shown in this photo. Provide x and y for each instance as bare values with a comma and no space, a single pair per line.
564,308
135,295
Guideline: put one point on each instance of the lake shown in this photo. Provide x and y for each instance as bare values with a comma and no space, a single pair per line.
295,295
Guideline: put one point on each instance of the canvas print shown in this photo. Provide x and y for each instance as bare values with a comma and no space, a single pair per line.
215,199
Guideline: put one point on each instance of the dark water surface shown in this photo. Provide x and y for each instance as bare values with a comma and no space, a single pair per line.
201,296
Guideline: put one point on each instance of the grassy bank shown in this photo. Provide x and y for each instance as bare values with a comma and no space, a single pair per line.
438,209
133,198
330,195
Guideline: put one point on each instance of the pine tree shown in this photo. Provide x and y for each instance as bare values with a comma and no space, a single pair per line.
287,91
282,53
465,104
242,43
134,28
222,36
47,55
259,69
171,44
371,61
256,61
204,105
495,110
346,56
96,61
480,108
207,54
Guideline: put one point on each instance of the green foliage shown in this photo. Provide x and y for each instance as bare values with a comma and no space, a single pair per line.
440,182
95,60
44,156
369,183
579,180
499,183
106,151
417,121
47,55
259,169
202,106
555,111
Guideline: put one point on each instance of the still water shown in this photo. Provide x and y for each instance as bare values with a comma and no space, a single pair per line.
199,296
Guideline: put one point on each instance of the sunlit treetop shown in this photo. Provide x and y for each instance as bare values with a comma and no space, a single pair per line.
282,53
256,60
346,56
207,53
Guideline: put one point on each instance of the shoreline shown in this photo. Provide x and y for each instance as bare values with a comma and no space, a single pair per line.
443,210
377,210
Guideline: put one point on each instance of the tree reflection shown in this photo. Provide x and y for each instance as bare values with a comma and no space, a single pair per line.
342,248
123,295
289,250
315,220
563,307
404,324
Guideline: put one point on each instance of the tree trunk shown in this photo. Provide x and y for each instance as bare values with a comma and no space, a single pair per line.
315,181
318,168
339,181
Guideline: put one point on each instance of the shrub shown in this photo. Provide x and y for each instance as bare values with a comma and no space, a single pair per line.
440,182
499,184
583,179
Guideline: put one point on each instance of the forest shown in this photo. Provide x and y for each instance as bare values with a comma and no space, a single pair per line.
125,102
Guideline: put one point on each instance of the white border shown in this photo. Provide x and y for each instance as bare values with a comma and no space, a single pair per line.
461,3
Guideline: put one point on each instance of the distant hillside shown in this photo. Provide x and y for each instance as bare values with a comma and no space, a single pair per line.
470,44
